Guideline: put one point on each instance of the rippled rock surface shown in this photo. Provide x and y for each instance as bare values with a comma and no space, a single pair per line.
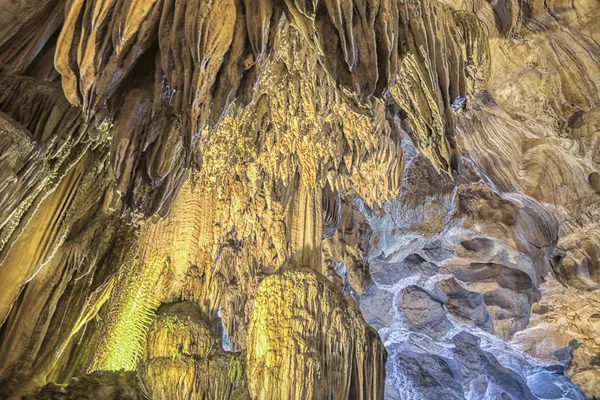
268,199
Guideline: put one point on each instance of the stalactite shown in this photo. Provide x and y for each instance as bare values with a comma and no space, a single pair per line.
276,173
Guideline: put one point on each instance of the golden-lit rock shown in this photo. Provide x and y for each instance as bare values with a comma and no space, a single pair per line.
307,341
99,44
252,162
183,359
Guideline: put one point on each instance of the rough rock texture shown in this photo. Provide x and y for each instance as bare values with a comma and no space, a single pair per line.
448,291
101,385
184,179
564,327
183,359
285,361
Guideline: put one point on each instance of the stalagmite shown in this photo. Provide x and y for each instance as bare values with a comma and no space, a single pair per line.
305,341
182,359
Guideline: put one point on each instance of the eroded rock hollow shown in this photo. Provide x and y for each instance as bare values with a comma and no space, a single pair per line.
293,199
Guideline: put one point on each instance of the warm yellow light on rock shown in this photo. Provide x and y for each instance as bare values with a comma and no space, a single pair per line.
132,312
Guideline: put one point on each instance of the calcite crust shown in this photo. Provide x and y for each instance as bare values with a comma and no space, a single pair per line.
325,199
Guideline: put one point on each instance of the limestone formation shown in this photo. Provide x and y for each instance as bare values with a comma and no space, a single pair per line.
183,359
291,310
101,385
336,199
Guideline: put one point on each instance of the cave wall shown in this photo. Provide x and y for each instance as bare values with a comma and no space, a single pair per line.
290,199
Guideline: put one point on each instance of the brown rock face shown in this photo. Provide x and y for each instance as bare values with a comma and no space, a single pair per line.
349,199
101,385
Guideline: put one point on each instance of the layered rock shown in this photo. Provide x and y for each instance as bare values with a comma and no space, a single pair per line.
450,280
434,160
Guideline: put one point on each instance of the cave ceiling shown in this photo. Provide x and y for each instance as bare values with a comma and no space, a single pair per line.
300,199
